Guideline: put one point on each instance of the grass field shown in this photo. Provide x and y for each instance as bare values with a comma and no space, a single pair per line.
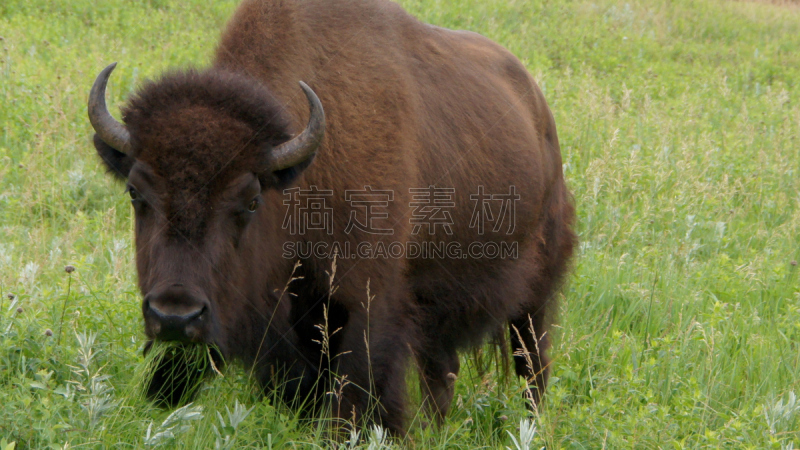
680,326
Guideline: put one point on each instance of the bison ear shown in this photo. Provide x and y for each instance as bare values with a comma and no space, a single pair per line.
117,162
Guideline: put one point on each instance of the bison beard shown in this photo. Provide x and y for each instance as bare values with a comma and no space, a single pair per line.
207,153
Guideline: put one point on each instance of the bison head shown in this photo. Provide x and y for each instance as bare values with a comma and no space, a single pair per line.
202,154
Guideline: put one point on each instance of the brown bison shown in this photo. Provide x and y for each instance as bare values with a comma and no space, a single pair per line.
447,128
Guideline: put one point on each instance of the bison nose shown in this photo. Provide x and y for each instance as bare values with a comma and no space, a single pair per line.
175,314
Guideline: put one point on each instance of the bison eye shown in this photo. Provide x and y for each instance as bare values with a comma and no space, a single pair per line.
134,194
253,205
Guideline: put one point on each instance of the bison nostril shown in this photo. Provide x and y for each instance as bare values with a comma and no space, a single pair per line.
175,314
195,315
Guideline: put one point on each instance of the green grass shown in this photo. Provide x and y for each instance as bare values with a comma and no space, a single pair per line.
680,326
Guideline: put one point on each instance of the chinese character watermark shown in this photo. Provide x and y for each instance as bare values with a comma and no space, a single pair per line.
483,211
372,203
307,210
431,208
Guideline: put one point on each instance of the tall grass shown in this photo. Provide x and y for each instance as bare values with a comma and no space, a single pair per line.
680,326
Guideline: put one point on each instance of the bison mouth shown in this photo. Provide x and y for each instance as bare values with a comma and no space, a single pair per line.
173,372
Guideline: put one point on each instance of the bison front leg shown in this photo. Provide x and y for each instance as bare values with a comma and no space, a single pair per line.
438,373
368,384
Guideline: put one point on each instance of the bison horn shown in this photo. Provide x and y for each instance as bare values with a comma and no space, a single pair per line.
302,147
107,128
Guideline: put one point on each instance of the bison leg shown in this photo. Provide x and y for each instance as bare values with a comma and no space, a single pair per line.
529,343
529,337
438,373
369,384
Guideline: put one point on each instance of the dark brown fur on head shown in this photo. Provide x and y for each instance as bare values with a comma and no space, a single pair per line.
154,111
198,130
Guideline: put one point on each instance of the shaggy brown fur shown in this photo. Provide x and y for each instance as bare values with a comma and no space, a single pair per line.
408,105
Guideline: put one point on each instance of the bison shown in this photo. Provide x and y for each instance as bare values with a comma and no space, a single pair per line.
447,126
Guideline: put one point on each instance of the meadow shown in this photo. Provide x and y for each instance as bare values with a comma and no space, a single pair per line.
679,122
